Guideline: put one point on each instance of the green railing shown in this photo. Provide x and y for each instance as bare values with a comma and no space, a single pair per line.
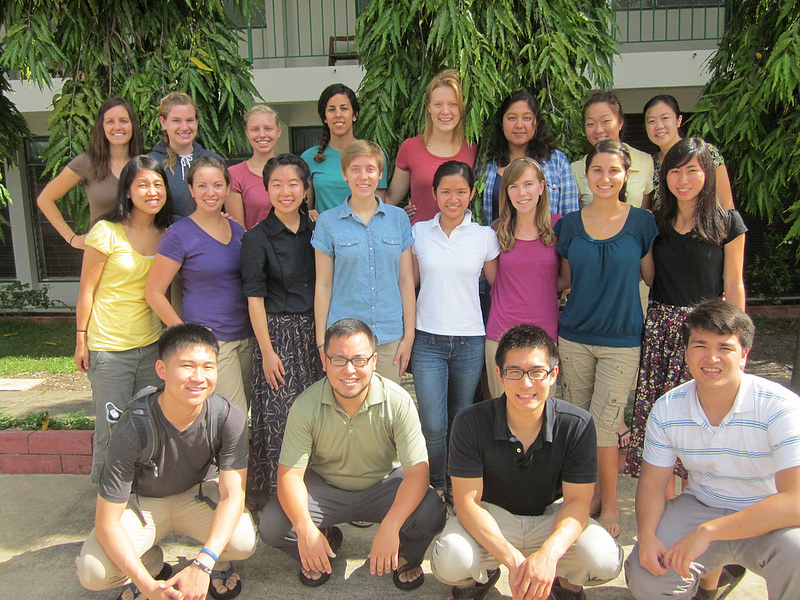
670,20
302,29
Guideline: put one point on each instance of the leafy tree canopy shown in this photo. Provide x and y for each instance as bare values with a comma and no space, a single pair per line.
137,49
559,49
751,106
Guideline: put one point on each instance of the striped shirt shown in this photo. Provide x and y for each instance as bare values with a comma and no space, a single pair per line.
732,465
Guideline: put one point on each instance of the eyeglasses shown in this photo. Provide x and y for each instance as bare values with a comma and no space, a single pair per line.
341,361
536,374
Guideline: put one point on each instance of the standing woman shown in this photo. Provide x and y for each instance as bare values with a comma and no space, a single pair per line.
363,262
116,343
205,250
177,115
525,288
603,120
662,121
278,276
521,132
450,254
114,139
698,255
605,247
248,201
441,141
338,108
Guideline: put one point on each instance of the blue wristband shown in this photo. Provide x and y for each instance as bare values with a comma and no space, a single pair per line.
210,553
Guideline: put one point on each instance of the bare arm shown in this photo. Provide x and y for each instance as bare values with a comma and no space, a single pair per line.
234,206
315,552
161,275
383,555
770,514
724,191
647,268
322,295
650,502
490,270
732,271
52,193
647,201
564,275
409,300
272,364
94,262
310,199
398,188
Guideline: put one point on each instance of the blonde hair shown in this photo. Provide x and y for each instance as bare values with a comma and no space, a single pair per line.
169,102
507,223
447,78
262,109
362,148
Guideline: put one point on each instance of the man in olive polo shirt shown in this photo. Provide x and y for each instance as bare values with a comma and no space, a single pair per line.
353,450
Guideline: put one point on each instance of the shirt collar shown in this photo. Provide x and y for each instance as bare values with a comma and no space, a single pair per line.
744,402
501,430
375,395
345,210
465,221
274,225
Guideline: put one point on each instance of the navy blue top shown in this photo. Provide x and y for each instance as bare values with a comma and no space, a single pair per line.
604,308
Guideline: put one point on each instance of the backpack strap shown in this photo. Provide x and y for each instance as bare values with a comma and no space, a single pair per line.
218,410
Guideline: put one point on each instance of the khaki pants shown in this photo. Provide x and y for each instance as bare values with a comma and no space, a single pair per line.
495,386
386,367
182,513
235,369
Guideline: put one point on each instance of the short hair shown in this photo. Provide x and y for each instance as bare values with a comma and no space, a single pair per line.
721,318
526,336
454,167
362,148
124,205
611,147
185,335
349,328
449,78
207,161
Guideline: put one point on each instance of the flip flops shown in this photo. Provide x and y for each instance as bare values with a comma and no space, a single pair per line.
335,537
164,574
224,576
476,591
407,585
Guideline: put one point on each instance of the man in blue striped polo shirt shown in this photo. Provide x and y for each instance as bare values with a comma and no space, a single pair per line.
739,438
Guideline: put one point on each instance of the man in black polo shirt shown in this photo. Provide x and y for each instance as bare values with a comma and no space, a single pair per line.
512,460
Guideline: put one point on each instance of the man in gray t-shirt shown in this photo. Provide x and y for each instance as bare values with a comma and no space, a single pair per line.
193,484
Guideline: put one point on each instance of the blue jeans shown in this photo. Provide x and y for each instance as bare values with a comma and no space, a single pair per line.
447,370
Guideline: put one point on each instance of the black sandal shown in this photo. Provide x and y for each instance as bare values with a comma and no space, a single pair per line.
335,537
476,591
407,585
164,574
224,576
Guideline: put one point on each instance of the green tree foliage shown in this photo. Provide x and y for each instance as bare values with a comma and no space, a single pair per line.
751,107
559,49
138,49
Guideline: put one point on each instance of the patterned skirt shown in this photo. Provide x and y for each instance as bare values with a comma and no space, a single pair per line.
294,341
662,368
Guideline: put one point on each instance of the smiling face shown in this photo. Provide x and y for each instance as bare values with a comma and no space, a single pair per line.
687,181
181,127
519,124
209,189
286,190
263,133
190,375
524,193
148,192
117,126
363,176
339,115
349,382
606,175
443,109
601,122
715,361
661,124
526,396
453,197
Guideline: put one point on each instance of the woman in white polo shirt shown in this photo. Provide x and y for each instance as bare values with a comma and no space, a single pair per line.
450,252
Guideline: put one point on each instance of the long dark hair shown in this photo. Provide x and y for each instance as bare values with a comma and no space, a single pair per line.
709,219
289,160
612,147
99,149
541,146
122,210
322,104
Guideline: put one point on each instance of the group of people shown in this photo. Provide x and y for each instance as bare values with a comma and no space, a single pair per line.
304,266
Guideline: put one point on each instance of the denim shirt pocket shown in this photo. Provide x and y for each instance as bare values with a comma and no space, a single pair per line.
392,245
347,247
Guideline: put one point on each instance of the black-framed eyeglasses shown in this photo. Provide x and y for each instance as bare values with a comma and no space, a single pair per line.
536,374
341,361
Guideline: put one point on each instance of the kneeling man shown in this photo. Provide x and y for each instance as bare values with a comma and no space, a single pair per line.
191,482
738,437
353,451
523,468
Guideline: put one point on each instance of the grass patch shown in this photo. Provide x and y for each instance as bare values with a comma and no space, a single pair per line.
28,347
42,421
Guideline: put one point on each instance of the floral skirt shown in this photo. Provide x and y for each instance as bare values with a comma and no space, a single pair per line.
294,341
662,368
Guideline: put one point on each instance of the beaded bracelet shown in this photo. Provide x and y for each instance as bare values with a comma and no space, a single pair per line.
210,553
202,567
